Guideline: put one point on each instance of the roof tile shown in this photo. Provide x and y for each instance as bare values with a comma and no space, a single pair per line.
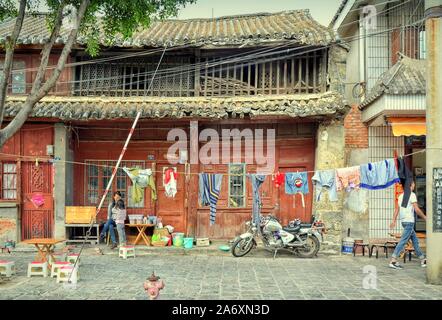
257,28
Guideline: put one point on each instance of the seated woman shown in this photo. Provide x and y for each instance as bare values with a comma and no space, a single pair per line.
110,224
120,211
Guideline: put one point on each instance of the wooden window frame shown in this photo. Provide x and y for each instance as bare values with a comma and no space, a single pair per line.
244,195
2,176
102,185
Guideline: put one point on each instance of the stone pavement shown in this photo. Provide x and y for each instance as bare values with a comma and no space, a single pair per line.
218,275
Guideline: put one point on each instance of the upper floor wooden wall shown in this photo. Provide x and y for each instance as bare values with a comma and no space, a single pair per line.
182,74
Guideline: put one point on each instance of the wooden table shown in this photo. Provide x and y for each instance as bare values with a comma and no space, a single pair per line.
45,247
141,227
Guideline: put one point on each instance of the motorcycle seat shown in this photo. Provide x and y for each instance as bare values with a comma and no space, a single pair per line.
306,225
292,229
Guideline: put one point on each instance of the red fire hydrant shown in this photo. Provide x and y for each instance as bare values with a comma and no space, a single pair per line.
153,285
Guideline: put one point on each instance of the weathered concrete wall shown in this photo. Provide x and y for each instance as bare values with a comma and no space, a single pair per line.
330,154
9,215
62,192
337,68
355,209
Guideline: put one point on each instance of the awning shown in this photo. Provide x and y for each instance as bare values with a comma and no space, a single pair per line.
408,126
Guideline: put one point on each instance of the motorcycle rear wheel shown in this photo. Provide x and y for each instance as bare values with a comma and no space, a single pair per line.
241,247
311,249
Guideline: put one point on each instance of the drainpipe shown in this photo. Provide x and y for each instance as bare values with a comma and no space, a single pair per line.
433,27
362,51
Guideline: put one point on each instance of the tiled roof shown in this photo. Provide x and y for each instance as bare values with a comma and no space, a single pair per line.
406,77
250,29
338,12
328,104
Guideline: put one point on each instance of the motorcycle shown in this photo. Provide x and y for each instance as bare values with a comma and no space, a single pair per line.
303,239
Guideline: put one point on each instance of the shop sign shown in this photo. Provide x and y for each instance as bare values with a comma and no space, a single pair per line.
437,199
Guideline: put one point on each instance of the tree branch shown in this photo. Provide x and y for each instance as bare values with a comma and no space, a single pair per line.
47,49
7,66
33,98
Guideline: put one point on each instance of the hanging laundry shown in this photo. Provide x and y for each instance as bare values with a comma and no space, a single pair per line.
325,179
406,178
296,182
278,179
209,190
170,182
257,181
348,178
37,200
141,178
379,175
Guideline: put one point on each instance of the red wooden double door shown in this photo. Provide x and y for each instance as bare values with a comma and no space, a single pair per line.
37,212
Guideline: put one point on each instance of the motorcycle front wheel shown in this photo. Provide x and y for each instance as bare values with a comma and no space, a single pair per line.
311,247
241,246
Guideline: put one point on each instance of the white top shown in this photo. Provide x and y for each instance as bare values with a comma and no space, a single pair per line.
407,214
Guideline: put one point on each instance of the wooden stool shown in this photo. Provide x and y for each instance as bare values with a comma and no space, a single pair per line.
72,258
377,246
38,268
56,266
126,251
7,268
360,245
408,249
5,249
65,272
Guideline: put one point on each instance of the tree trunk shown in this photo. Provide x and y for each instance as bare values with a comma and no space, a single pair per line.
38,93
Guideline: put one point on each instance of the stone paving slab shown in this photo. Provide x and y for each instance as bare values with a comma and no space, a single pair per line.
220,276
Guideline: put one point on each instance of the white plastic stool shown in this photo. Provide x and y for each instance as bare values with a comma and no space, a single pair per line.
64,273
126,251
72,257
56,266
38,268
7,268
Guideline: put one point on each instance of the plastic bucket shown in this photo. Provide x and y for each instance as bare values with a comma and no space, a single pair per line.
188,243
178,241
347,246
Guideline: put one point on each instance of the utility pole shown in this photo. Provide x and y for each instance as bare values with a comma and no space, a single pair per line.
433,29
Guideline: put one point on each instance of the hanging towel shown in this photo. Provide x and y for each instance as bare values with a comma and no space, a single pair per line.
257,181
379,175
141,178
278,179
348,178
325,179
169,182
406,178
209,190
38,200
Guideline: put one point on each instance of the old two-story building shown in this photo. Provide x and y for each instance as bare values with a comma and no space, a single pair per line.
276,71
386,88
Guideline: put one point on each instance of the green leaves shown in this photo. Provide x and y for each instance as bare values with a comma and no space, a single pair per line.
105,21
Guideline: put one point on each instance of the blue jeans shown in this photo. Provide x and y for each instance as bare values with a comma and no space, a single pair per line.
109,225
406,235
121,233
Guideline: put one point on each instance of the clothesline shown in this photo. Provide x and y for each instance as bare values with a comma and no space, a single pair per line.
48,159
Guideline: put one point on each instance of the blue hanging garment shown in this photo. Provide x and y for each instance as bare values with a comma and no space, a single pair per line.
379,175
209,190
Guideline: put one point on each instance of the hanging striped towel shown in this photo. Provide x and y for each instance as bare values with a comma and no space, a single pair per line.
210,187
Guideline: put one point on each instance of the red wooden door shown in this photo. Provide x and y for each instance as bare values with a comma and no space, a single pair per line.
171,210
290,206
36,218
